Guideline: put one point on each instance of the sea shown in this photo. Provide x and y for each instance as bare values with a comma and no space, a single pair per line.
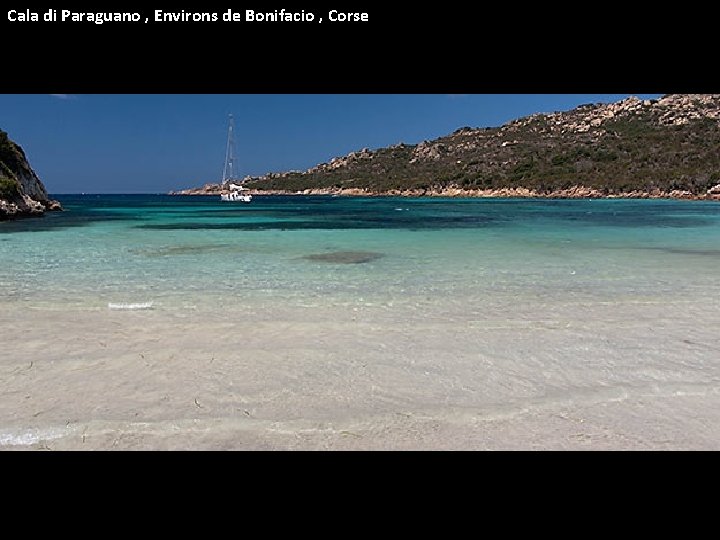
325,322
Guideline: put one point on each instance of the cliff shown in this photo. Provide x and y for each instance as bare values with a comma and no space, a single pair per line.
640,148
21,191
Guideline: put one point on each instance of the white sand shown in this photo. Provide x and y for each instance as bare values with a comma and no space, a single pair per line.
520,376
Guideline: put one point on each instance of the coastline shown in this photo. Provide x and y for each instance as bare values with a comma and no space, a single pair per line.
574,192
25,207
343,324
22,193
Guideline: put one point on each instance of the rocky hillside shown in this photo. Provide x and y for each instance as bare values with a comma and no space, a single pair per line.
666,147
21,191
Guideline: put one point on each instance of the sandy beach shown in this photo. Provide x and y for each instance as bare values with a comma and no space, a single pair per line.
156,380
455,325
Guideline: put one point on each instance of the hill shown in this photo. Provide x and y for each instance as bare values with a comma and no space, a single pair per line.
21,191
641,148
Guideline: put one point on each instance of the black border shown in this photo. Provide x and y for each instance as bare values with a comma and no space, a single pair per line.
608,48
575,492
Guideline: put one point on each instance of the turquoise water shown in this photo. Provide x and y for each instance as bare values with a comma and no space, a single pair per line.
330,322
176,251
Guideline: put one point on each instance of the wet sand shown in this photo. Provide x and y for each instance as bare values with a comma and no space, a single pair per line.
346,378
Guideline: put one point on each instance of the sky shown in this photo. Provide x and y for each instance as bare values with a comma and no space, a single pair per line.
155,143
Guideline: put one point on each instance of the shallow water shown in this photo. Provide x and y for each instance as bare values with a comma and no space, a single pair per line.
409,323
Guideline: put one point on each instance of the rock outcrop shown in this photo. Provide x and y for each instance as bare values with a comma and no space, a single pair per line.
21,191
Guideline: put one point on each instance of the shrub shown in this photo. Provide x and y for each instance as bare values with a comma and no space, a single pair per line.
9,188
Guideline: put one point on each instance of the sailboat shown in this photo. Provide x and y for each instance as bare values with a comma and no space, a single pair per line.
236,195
231,191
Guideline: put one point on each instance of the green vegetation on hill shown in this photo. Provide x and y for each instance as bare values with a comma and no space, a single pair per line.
9,186
670,144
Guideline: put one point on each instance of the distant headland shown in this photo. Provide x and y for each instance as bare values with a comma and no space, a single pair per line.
665,148
21,191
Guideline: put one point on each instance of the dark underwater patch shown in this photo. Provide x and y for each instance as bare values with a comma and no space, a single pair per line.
69,218
297,213
345,257
345,222
686,251
643,220
170,251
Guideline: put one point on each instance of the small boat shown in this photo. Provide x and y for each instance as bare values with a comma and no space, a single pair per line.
232,192
236,194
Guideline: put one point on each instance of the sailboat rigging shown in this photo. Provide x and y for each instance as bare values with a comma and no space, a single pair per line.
231,187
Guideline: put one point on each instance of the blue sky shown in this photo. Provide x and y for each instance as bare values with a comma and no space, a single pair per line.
155,143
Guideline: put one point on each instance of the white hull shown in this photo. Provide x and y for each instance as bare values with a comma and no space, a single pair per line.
235,197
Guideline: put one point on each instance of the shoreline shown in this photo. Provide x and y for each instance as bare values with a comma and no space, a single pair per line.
575,192
465,326
26,207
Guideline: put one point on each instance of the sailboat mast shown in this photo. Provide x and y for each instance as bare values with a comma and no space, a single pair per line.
229,169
